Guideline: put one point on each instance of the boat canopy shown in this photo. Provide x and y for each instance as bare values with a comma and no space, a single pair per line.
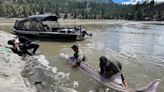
43,17
36,23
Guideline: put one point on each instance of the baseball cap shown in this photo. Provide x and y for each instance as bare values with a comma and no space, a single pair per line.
75,46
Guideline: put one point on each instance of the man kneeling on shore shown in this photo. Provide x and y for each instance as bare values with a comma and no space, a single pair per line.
21,43
112,70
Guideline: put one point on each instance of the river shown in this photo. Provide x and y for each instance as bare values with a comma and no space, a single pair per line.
139,46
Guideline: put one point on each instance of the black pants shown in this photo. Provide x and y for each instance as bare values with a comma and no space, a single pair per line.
33,46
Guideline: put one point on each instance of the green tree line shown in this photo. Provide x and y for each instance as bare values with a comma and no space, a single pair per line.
73,9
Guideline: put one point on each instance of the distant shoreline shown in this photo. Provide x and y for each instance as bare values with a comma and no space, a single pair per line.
11,21
6,24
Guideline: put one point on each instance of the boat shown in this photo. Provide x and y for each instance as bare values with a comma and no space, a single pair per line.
150,87
47,27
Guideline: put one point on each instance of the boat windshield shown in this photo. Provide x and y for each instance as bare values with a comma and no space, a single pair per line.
29,25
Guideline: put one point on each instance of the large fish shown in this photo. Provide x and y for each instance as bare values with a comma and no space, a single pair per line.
151,87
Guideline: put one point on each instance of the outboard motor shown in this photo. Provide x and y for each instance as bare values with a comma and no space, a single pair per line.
85,33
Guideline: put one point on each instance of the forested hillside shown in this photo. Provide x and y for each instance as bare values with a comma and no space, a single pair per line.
74,8
153,12
84,9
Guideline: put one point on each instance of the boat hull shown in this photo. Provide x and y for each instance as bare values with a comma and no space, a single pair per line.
50,35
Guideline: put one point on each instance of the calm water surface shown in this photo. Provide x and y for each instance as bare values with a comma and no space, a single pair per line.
138,46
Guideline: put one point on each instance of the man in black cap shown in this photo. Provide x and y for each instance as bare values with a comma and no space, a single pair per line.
112,70
78,55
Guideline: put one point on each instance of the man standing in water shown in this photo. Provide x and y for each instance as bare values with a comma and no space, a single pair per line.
112,70
78,55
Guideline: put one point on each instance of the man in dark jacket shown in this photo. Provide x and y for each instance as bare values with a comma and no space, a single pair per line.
112,69
24,44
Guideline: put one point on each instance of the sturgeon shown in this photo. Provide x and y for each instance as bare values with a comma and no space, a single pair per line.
150,87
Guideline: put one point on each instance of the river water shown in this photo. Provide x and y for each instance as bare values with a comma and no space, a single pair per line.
139,46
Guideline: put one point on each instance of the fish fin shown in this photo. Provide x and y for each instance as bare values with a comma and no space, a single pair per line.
151,87
62,55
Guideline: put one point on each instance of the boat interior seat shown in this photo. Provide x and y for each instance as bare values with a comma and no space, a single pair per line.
46,27
55,29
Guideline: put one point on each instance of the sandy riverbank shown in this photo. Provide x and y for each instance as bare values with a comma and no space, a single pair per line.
28,74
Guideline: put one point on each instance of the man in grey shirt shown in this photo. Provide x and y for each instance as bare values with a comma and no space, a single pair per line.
78,55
